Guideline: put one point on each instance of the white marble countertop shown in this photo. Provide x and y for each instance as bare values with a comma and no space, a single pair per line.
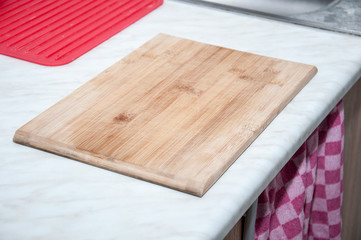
44,196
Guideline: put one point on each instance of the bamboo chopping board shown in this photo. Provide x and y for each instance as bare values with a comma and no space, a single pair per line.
174,112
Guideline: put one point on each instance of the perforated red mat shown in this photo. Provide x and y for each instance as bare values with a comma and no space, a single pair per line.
55,32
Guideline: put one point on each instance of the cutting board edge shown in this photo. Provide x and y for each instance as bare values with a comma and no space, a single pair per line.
196,188
238,50
217,175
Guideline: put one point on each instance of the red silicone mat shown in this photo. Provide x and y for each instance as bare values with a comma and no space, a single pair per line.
55,32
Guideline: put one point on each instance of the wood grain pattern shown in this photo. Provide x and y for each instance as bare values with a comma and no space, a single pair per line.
351,208
236,232
174,112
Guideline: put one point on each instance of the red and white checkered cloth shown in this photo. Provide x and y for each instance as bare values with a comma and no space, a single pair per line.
304,200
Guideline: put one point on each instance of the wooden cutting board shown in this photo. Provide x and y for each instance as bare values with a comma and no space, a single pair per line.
174,112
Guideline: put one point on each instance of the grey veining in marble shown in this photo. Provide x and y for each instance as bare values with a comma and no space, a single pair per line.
45,196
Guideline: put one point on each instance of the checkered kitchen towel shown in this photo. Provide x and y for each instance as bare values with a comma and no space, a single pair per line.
304,200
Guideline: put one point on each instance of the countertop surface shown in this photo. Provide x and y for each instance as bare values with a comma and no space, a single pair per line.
45,196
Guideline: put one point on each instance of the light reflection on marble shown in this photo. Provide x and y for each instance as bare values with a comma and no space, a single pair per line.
44,196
